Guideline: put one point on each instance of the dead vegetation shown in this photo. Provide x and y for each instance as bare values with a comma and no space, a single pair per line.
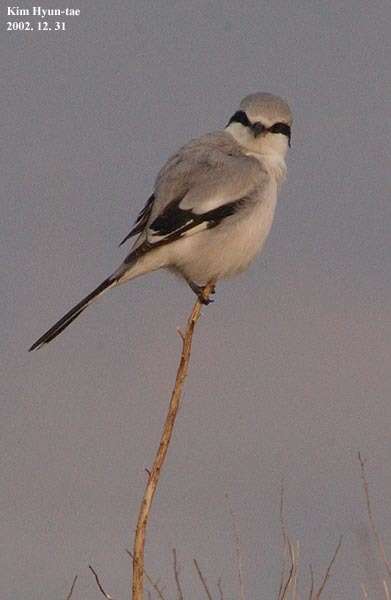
289,580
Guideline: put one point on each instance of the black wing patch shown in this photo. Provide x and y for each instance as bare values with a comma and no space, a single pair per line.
141,220
175,222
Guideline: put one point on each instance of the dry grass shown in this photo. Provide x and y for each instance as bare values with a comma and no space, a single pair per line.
288,589
289,579
386,581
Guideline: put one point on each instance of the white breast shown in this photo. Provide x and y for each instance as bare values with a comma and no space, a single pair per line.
227,249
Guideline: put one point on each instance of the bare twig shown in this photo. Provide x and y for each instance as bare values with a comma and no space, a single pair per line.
98,583
290,584
364,592
72,588
327,574
297,562
282,517
139,539
312,583
181,335
238,548
286,585
375,532
203,580
284,540
220,588
154,584
282,577
176,575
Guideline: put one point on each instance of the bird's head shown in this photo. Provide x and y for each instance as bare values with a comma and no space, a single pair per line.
262,125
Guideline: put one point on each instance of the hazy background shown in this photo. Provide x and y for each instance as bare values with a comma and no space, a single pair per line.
290,372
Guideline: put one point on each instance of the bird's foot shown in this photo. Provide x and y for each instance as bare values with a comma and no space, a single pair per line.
204,299
199,290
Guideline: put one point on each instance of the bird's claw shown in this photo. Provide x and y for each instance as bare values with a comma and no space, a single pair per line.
205,300
200,290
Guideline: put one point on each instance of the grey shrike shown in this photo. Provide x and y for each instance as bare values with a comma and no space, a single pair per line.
212,205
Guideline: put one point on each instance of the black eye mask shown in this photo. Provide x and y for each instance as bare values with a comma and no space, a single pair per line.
281,128
257,128
240,117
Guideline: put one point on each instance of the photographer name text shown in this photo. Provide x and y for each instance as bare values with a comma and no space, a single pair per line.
39,18
40,11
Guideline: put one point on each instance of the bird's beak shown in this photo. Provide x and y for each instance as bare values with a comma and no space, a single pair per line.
257,129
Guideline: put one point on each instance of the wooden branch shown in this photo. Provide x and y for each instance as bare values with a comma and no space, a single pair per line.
153,479
154,584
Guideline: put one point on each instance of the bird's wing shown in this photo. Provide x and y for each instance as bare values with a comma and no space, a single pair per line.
205,182
142,219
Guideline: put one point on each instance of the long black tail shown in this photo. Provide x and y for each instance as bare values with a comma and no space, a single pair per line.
72,314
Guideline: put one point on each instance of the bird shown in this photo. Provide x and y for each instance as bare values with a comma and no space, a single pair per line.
212,205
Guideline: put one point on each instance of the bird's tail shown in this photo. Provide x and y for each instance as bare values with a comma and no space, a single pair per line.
74,313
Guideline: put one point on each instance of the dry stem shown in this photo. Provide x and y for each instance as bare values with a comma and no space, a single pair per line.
311,594
238,549
176,575
386,590
220,588
72,588
328,570
153,479
379,543
203,580
100,586
287,585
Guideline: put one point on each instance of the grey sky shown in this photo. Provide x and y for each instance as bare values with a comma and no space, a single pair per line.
290,372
